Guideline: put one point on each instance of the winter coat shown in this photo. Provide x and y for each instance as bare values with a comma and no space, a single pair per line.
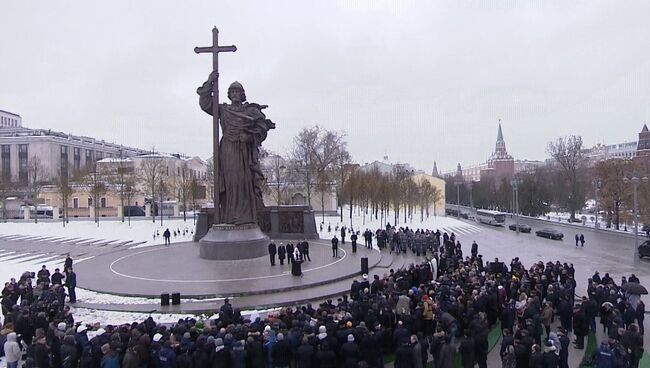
404,357
12,349
447,357
130,359
349,354
221,358
238,356
603,357
466,350
110,361
326,359
69,353
305,356
281,353
417,355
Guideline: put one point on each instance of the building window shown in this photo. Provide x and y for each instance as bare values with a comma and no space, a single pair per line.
6,163
90,202
22,164
64,161
77,159
75,202
102,202
100,155
90,159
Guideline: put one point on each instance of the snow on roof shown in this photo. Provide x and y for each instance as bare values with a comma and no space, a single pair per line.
114,160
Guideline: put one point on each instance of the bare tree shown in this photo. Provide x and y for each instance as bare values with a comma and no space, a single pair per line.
151,173
95,184
36,179
567,152
64,188
185,187
302,158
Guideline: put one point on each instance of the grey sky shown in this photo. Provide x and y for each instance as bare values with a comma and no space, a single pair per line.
420,81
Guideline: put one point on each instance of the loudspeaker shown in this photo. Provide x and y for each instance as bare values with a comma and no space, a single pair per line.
164,299
176,298
364,265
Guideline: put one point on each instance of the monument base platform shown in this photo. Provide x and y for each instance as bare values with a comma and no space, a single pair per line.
233,242
277,222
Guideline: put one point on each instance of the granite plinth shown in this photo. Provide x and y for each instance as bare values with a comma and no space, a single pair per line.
277,222
233,242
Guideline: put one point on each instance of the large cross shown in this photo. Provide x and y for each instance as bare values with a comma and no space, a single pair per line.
215,49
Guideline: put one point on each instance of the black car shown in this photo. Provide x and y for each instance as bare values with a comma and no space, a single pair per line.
522,228
644,249
551,234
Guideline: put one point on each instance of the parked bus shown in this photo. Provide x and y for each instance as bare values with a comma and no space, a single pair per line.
495,218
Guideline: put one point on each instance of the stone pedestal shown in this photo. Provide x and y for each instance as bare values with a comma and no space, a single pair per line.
26,213
147,210
55,213
233,242
278,222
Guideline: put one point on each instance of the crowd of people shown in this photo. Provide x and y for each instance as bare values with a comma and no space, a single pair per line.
432,310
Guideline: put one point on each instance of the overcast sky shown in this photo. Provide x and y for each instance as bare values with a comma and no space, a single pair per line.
418,81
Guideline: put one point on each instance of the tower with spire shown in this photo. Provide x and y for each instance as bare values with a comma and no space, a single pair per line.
500,164
434,172
643,149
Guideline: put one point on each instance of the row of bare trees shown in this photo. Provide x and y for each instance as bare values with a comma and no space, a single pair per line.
376,194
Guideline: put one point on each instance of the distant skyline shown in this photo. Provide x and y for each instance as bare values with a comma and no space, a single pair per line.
418,81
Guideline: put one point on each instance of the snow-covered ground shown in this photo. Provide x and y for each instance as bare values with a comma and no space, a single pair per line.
143,230
140,230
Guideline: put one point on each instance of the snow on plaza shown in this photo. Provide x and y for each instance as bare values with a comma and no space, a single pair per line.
142,231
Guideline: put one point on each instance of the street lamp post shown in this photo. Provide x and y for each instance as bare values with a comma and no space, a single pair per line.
597,183
515,204
458,182
471,199
635,182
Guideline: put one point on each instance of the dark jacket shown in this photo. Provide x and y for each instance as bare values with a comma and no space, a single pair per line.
305,356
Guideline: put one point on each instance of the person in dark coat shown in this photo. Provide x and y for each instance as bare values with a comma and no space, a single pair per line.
290,253
281,353
447,355
238,355
335,246
550,358
404,355
354,238
563,359
68,352
349,353
466,350
342,234
325,357
255,352
305,250
220,356
57,277
305,354
582,240
273,250
536,357
282,253
580,327
167,236
67,264
632,341
71,284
